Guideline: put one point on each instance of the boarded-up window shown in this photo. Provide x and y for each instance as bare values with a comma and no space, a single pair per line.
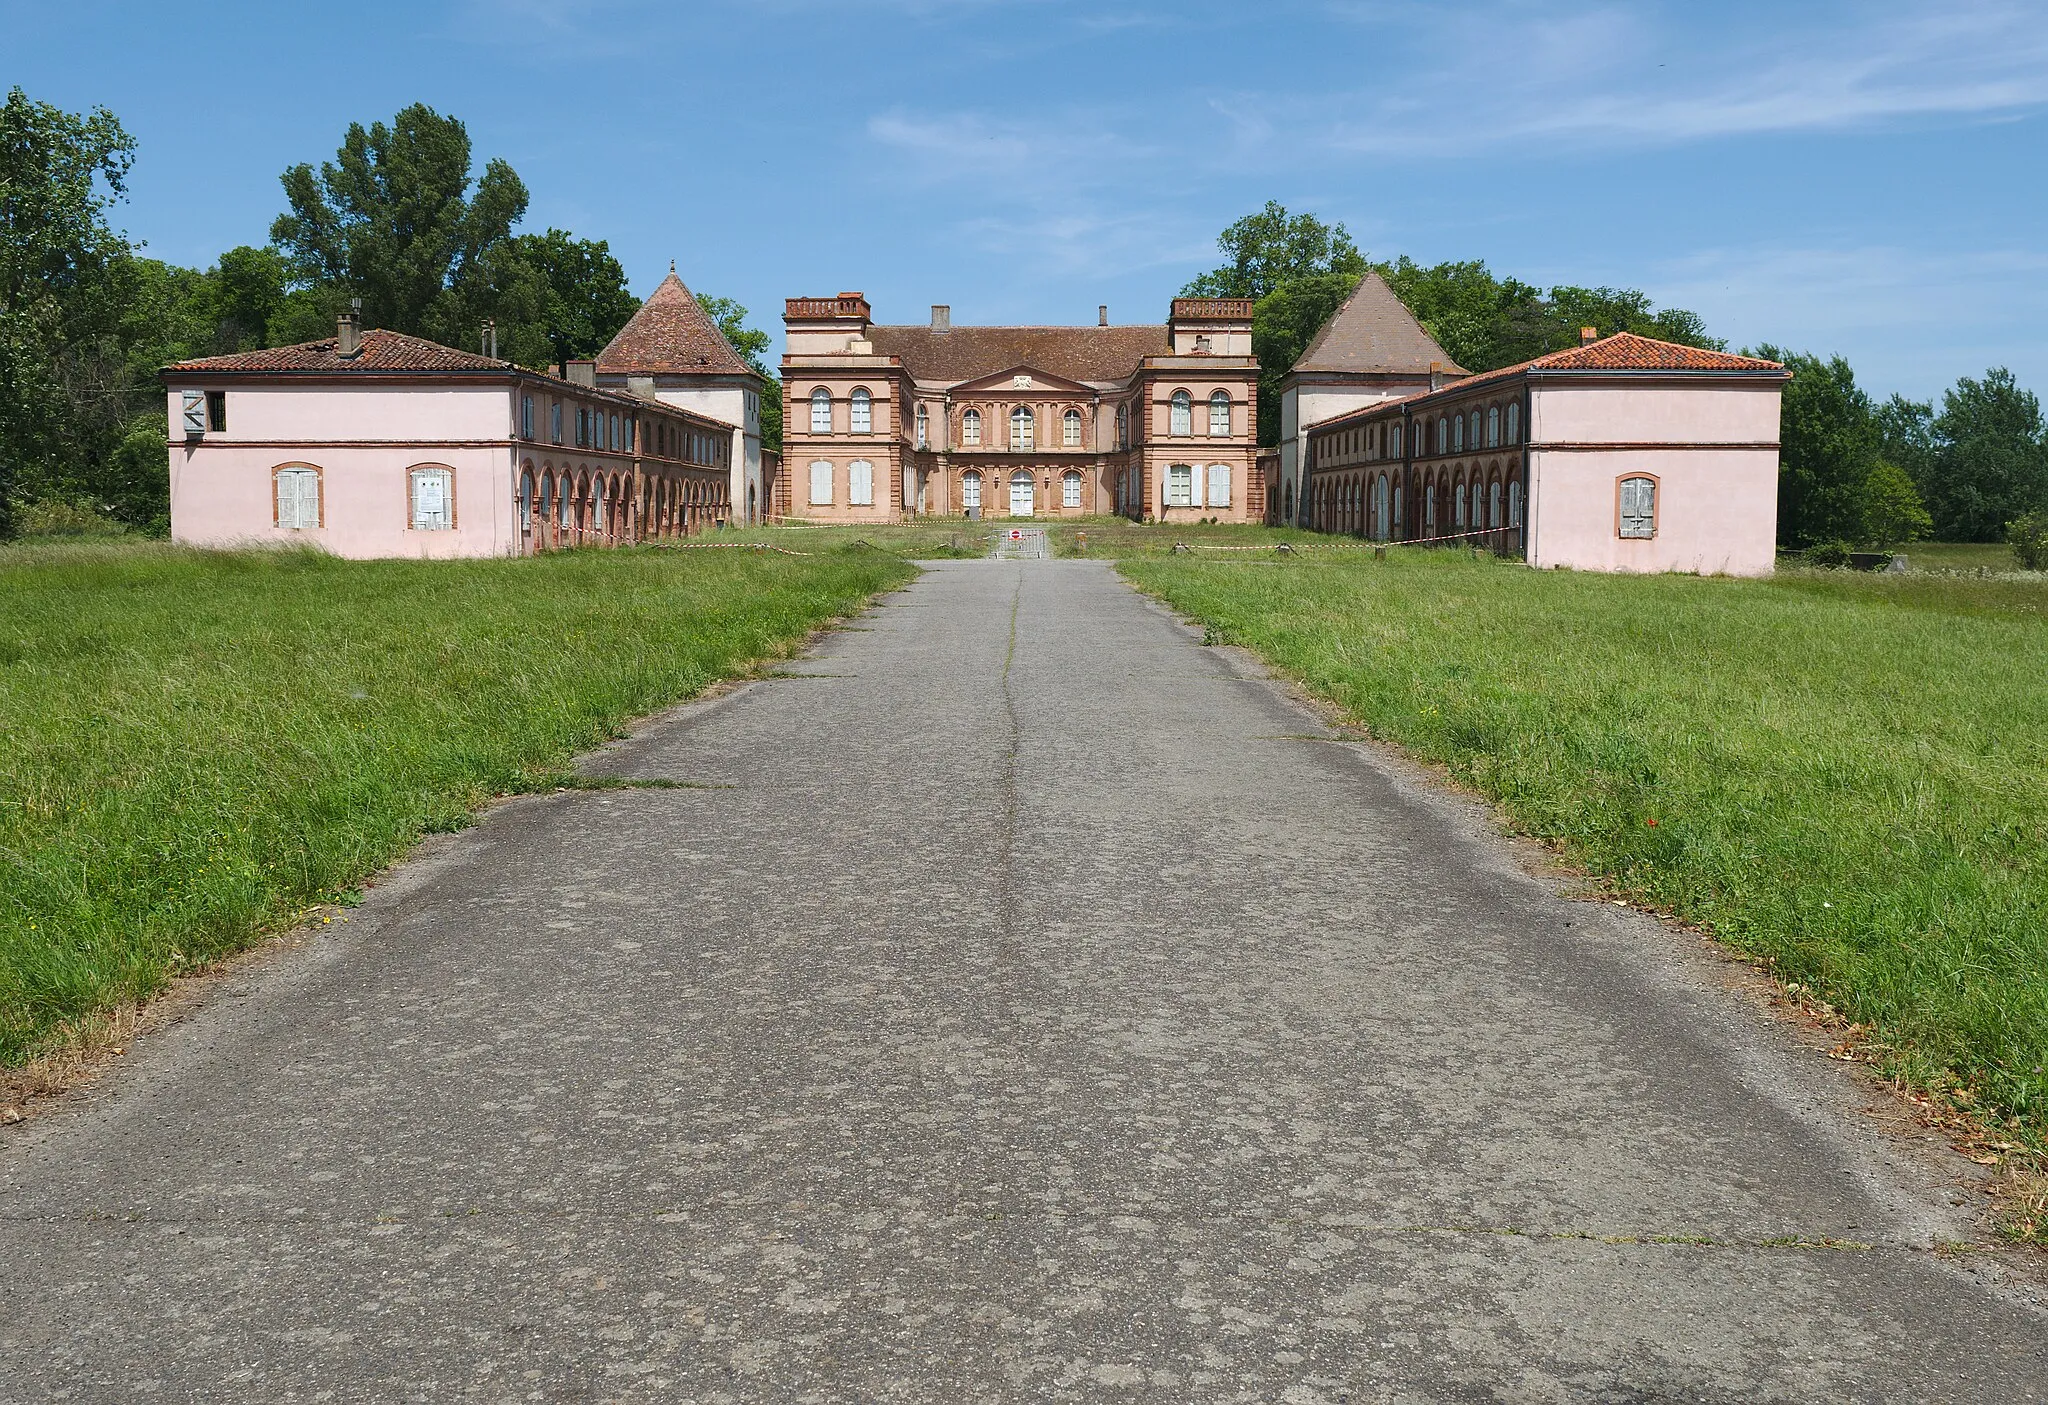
298,498
821,482
860,483
194,403
1639,507
433,499
1219,485
1180,485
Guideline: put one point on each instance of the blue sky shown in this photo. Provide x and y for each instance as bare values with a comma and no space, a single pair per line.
1869,178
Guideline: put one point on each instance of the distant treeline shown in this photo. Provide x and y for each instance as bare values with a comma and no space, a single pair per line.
397,219
1852,471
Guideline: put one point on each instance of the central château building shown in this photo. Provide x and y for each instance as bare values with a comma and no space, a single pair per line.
881,423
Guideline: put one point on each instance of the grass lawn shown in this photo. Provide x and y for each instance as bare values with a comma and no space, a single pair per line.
928,539
1845,773
200,745
1960,556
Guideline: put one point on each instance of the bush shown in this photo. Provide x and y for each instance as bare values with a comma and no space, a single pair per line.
63,517
2028,537
1833,555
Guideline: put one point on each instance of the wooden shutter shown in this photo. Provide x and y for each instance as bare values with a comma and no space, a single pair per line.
309,498
861,484
1219,485
821,482
193,403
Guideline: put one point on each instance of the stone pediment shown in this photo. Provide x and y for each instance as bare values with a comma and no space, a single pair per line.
1021,381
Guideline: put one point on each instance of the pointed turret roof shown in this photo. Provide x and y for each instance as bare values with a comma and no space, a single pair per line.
1374,331
671,335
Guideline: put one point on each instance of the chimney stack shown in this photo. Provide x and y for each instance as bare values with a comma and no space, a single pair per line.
580,373
1588,335
1436,375
348,336
1102,314
942,317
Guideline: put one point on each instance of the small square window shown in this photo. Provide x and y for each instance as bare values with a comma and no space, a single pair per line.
217,411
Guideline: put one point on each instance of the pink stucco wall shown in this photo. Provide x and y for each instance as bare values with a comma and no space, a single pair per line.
1712,450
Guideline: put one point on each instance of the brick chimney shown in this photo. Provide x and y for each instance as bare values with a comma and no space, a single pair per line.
1588,335
348,336
1102,314
942,317
1436,375
580,373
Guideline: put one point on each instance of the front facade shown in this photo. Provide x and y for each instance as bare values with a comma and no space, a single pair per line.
376,444
1621,454
882,423
673,352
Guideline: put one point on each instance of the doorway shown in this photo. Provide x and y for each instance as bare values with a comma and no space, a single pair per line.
1021,483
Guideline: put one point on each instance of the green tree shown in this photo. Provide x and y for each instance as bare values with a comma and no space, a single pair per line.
1283,323
1990,461
1893,514
1829,440
250,287
552,295
752,344
1905,431
59,174
394,220
1272,247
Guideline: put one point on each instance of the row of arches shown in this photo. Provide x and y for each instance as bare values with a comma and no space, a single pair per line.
1482,504
568,507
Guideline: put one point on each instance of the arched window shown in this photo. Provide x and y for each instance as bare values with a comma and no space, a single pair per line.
1022,422
1219,485
924,425
1219,415
821,482
860,483
1070,429
1443,435
297,497
1394,446
1287,501
1396,527
821,411
1638,501
1458,500
597,507
1492,426
1514,423
1458,434
1515,502
970,429
1429,509
1070,489
432,490
970,487
526,499
1123,426
863,411
1493,503
1180,482
1182,419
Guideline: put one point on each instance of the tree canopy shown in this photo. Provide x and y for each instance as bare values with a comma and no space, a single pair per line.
752,344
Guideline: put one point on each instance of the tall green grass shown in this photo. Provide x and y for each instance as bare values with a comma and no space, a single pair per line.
1846,774
200,744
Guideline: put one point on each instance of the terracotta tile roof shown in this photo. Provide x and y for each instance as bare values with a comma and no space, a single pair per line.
671,335
382,351
1374,331
1097,354
1623,351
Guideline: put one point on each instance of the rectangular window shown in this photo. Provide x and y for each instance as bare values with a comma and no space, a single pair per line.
860,484
526,417
298,498
1180,485
1219,485
217,411
1639,507
821,483
433,500
1070,490
555,422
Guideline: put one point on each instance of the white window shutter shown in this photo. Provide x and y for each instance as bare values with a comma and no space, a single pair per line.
309,498
860,483
821,482
287,499
1219,485
194,403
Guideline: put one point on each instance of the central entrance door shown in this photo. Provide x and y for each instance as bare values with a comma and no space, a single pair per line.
1020,493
